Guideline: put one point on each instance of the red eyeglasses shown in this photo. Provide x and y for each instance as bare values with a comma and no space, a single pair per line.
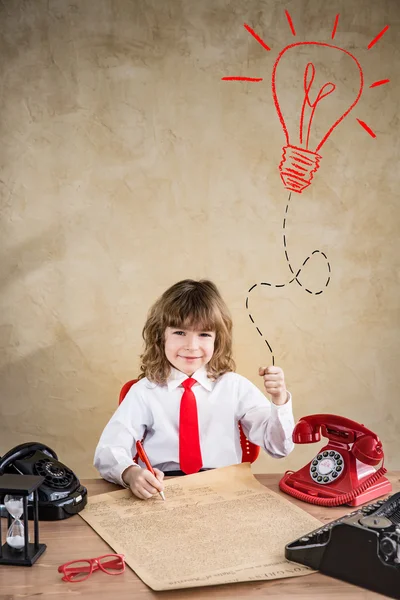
79,570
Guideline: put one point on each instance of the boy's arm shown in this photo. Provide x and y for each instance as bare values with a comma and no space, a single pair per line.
117,445
265,423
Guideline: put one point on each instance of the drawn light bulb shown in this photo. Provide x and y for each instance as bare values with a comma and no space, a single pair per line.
304,136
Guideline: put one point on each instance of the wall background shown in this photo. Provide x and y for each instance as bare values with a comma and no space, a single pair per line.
126,164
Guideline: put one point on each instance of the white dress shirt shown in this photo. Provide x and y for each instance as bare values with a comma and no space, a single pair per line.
220,404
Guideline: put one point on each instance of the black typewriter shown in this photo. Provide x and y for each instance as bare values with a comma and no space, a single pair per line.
362,547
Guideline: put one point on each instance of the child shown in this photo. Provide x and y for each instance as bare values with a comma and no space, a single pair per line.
188,334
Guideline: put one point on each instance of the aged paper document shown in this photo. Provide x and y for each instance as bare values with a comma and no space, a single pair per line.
218,526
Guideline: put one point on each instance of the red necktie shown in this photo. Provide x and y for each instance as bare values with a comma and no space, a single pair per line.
189,440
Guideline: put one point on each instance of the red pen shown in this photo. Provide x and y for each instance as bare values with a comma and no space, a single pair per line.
143,456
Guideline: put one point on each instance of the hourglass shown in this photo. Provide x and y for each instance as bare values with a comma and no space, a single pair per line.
15,490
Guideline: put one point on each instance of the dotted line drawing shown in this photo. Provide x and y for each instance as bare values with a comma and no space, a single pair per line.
295,278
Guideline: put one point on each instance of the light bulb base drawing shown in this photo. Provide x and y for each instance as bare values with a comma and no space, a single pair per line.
297,167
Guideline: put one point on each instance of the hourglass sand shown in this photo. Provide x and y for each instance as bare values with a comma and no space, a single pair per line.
16,532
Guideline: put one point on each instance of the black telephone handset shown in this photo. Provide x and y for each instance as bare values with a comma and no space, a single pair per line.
61,495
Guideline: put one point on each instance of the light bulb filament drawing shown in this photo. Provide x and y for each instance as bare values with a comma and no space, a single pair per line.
328,88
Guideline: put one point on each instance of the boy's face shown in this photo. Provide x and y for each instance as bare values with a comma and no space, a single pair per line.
188,349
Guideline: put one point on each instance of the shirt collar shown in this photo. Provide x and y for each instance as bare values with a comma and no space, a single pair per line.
176,378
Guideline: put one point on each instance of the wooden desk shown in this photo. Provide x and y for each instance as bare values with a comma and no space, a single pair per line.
73,538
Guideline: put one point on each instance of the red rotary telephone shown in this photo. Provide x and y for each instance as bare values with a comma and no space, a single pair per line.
333,476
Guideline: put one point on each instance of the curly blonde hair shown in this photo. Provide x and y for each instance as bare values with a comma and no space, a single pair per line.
187,304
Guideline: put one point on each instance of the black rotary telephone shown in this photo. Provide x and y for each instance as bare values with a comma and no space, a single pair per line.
61,495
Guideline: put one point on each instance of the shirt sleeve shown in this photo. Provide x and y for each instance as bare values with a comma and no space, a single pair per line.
264,423
117,445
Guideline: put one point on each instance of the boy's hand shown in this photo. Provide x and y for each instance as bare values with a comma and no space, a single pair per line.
143,483
274,383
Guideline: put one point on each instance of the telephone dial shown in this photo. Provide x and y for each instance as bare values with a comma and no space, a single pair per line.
338,474
61,495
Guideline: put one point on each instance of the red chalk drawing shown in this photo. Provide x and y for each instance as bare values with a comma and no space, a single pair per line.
289,18
378,37
301,158
381,82
367,129
242,78
256,37
335,26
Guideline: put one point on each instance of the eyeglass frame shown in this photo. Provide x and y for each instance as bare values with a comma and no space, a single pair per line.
94,565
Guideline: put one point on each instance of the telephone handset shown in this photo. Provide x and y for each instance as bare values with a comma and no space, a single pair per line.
61,495
336,474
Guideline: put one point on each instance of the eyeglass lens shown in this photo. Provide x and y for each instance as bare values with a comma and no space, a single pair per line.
111,564
78,570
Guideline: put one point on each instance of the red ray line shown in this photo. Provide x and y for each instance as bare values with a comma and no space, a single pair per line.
381,82
289,18
257,37
335,26
241,78
380,34
367,129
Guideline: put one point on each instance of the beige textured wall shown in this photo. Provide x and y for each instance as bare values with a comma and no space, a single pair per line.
127,164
